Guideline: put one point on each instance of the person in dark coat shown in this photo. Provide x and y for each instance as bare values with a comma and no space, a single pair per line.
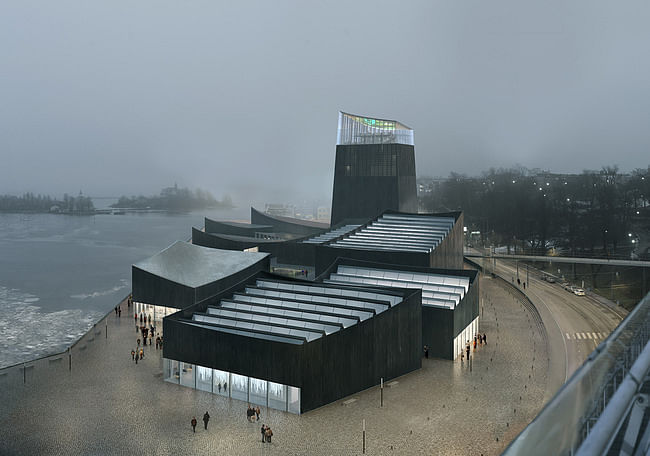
193,423
206,418
263,431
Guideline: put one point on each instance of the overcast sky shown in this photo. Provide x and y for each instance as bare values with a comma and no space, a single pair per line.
242,97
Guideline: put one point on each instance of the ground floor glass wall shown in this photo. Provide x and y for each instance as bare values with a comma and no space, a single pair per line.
465,336
157,313
248,389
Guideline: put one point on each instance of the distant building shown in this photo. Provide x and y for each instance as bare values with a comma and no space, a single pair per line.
323,214
374,169
280,210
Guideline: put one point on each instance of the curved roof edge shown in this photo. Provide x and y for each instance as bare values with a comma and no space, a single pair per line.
277,221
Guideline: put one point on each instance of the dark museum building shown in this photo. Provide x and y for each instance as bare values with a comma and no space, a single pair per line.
375,162
353,302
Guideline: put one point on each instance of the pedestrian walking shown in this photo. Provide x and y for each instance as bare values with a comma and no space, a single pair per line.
485,338
136,358
136,319
138,342
132,355
141,353
140,317
467,350
219,387
257,413
426,351
263,431
119,312
268,433
193,423
206,418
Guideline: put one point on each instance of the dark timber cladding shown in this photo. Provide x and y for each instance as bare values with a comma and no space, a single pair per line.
449,296
329,340
184,273
425,240
374,169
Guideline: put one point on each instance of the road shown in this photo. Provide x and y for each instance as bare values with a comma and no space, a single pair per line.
575,324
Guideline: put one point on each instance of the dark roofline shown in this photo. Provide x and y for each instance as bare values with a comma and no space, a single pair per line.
291,220
343,261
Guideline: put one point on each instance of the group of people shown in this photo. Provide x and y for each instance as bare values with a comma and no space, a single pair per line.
206,418
479,339
267,433
118,311
252,414
146,333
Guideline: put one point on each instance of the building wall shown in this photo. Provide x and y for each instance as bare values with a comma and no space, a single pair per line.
387,345
327,369
153,289
439,326
326,256
372,178
449,254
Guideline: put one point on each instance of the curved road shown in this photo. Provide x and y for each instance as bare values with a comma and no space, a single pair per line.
575,324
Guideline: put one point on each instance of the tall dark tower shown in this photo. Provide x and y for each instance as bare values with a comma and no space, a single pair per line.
374,170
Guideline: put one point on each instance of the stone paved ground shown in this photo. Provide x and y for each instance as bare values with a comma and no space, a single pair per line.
108,405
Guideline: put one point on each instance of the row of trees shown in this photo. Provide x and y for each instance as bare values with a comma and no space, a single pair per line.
176,199
28,202
580,212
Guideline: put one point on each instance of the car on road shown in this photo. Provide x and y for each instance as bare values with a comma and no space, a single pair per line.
579,292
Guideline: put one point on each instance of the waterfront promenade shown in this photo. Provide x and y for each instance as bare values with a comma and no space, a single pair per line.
108,405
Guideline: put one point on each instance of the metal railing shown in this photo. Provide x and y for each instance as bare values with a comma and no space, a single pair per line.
26,371
570,415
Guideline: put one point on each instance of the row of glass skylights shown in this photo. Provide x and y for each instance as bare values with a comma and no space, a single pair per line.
325,237
398,232
437,290
292,313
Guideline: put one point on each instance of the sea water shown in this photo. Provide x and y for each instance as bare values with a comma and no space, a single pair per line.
60,274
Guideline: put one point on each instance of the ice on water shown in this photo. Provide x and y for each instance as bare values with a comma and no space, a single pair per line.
27,332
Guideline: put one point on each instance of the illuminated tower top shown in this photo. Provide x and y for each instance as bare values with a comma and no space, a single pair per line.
365,130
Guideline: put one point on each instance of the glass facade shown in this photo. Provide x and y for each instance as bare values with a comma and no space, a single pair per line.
227,384
467,334
364,130
157,313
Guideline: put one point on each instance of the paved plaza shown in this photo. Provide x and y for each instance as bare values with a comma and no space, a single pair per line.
106,404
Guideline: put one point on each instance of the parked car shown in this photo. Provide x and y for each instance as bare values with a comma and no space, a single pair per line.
550,279
579,292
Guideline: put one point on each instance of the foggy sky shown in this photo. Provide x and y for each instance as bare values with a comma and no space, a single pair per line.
242,97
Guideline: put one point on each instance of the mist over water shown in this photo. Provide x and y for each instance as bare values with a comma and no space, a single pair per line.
60,274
